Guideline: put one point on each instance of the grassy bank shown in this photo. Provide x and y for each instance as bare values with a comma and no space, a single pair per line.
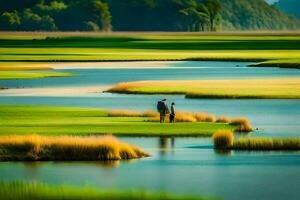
23,66
224,139
267,144
242,89
46,47
78,121
62,148
38,191
289,63
9,75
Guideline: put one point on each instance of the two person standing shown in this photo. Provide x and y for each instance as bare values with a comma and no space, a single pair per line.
163,110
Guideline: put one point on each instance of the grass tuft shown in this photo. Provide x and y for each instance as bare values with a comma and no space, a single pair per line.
223,139
43,148
267,144
243,124
223,119
204,117
150,113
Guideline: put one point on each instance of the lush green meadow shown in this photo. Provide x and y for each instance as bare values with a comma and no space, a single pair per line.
38,191
243,89
47,47
79,121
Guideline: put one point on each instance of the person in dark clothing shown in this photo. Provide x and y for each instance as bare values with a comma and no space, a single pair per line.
172,113
163,109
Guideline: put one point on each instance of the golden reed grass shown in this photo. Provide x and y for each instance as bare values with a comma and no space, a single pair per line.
267,144
242,123
123,113
66,148
223,119
223,139
204,117
129,113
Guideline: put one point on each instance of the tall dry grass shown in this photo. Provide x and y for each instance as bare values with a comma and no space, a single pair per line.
223,139
204,117
130,113
223,119
150,113
267,144
243,124
180,117
40,148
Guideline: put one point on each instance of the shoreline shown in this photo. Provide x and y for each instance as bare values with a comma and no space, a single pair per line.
161,63
53,91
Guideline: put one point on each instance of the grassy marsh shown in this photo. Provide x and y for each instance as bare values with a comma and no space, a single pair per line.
224,140
23,66
46,47
267,144
30,190
62,148
231,89
83,121
8,75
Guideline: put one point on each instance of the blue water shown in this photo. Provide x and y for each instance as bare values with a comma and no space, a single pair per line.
190,166
186,165
179,71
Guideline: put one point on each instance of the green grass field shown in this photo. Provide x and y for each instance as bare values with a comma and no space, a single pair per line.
39,191
243,89
78,121
7,75
47,47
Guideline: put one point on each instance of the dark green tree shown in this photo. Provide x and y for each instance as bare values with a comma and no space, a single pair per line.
213,8
10,21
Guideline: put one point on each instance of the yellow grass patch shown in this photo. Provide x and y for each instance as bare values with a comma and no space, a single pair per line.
19,66
254,88
223,119
123,113
267,144
223,139
40,148
204,117
243,124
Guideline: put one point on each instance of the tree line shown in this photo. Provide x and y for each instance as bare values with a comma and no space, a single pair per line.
141,15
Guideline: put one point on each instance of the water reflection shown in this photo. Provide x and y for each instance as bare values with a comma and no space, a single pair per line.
32,169
164,143
223,152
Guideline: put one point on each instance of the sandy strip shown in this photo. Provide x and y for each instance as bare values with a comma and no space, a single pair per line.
54,91
112,65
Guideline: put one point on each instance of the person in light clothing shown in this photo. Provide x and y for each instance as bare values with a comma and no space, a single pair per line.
172,113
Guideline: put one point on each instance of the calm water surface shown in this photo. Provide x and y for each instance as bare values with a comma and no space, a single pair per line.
186,165
182,166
